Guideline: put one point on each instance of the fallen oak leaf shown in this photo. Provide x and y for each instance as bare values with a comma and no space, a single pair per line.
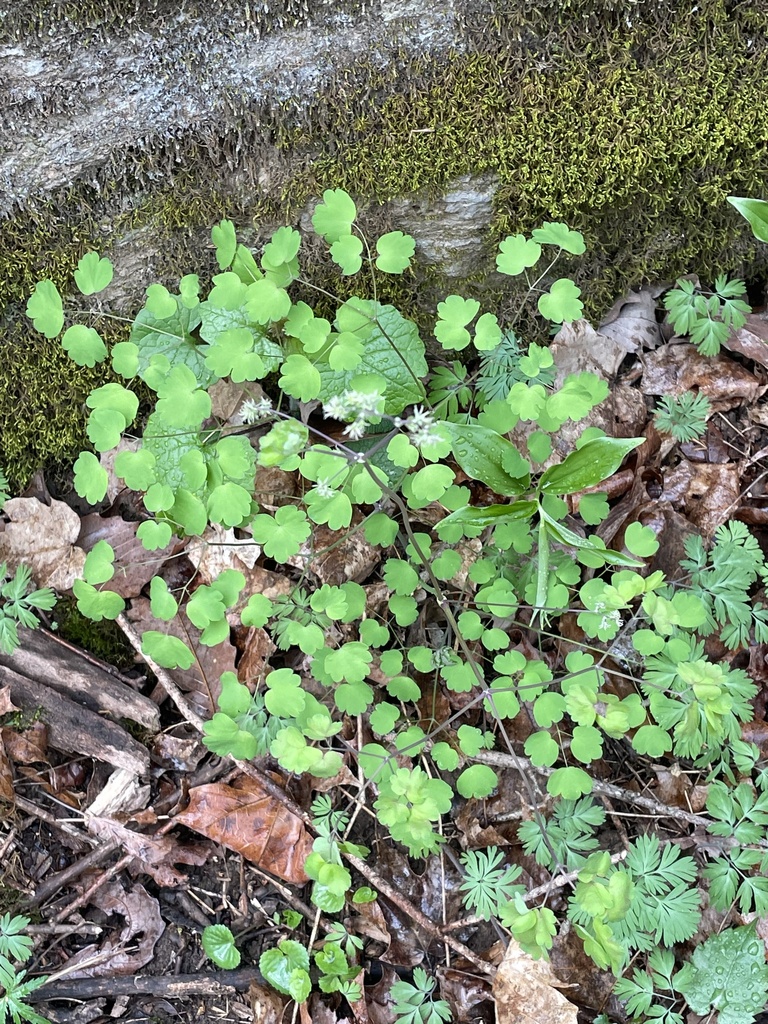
247,819
43,537
525,990
154,855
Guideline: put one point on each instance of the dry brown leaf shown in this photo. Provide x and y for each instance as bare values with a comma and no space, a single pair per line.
525,990
706,492
7,706
245,818
675,369
43,537
201,682
29,746
343,556
267,1006
6,776
134,565
631,322
143,927
154,855
220,549
751,340
257,648
465,992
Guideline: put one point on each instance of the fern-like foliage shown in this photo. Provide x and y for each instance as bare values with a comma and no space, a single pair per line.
569,834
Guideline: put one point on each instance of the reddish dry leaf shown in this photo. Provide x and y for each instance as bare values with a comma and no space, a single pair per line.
135,566
154,855
143,927
245,818
201,682
369,922
6,777
257,647
525,990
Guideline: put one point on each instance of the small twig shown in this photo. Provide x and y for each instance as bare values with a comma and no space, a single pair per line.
162,675
170,986
54,885
648,803
432,929
84,898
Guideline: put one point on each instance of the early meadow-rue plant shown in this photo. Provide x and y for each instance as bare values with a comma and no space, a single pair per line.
453,574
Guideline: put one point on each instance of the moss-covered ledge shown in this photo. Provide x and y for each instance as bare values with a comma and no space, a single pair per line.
630,121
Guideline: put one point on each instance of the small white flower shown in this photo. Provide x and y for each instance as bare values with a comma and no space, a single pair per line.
356,429
253,410
336,408
324,489
422,428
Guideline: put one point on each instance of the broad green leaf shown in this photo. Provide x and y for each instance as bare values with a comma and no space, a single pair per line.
224,238
84,345
491,515
394,252
93,274
589,465
485,455
393,351
91,479
45,310
219,946
561,303
334,216
516,252
557,233
167,650
346,253
171,339
755,212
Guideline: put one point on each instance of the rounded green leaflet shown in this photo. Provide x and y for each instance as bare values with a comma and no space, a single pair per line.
445,757
229,504
383,718
561,303
160,303
189,290
159,498
91,479
84,345
153,535
99,567
224,238
168,651
93,273
114,396
395,250
180,402
334,216
257,611
477,781
125,359
97,604
346,253
104,428
516,253
162,603
557,233
282,534
570,783
431,482
641,540
219,946
487,333
652,741
346,352
299,378
267,301
231,354
282,247
45,310
542,749
136,468
586,743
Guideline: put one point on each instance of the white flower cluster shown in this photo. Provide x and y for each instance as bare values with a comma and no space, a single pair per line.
253,411
421,427
610,619
359,406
